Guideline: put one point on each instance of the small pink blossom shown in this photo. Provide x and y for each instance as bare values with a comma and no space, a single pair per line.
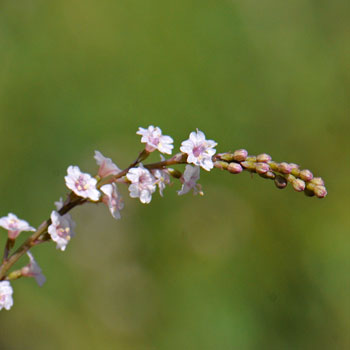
14,225
33,270
82,184
107,167
154,139
199,150
6,292
142,184
61,229
189,180
162,179
113,199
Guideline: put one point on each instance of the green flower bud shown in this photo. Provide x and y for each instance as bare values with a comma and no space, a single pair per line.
221,165
227,157
273,165
248,165
318,181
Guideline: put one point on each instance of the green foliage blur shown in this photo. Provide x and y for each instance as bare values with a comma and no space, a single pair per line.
246,266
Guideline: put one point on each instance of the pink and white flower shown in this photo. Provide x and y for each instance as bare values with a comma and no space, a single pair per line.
107,167
142,184
33,270
113,199
61,229
199,150
6,292
14,225
162,179
154,139
189,180
82,184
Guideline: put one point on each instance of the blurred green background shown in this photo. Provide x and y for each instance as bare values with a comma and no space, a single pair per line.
244,267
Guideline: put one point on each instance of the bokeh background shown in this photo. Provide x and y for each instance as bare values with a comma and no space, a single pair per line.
244,267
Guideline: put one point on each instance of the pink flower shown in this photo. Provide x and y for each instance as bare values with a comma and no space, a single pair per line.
189,180
142,184
199,150
112,199
82,184
162,179
61,229
14,225
154,139
6,292
33,270
107,167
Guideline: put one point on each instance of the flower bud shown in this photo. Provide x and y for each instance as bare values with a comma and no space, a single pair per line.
263,158
270,175
306,175
248,165
294,166
240,155
280,182
295,169
317,181
298,185
227,157
262,168
273,165
320,191
234,168
220,165
284,168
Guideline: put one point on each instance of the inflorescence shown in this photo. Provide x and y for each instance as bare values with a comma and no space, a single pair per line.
142,180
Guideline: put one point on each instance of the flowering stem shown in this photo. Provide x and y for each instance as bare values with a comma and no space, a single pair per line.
73,201
226,161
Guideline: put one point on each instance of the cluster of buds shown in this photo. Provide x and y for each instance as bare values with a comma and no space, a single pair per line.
142,180
302,180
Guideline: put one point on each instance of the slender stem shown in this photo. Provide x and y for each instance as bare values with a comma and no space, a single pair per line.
73,201
9,244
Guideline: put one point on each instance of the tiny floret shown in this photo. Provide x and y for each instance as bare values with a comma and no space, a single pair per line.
142,184
107,167
14,225
33,270
82,184
6,292
189,180
112,199
199,150
153,138
162,179
61,229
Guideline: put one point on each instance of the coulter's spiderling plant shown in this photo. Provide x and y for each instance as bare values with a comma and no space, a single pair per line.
142,180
